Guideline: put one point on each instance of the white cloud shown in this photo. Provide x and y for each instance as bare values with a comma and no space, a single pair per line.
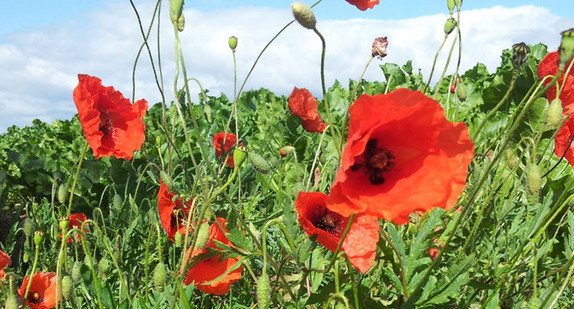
39,66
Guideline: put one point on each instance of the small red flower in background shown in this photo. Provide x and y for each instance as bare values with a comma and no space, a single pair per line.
173,215
4,261
433,252
111,124
563,141
402,155
360,244
209,269
228,140
42,292
364,4
75,221
303,105
549,66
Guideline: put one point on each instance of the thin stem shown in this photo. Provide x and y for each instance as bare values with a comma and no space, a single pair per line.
401,263
336,253
434,62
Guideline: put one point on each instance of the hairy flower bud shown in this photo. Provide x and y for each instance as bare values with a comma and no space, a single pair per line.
178,239
263,291
166,179
286,150
534,178
117,202
510,158
62,194
77,271
104,265
232,42
11,302
28,227
159,276
566,47
259,163
304,15
67,287
554,114
461,92
449,26
202,235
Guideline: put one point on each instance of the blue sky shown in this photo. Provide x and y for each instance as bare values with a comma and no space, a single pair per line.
45,44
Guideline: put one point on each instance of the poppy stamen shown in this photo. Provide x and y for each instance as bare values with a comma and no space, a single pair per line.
106,123
377,161
328,221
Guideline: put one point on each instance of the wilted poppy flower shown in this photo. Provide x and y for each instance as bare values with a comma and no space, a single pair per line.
364,4
360,244
402,155
223,141
211,268
42,292
173,214
75,221
549,66
563,141
111,124
4,261
303,105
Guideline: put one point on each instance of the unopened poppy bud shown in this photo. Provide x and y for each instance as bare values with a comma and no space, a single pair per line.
175,9
450,5
379,48
510,158
77,271
159,276
239,156
232,42
520,53
181,23
166,179
534,178
178,239
63,222
566,47
461,92
259,163
202,235
62,194
208,113
117,201
263,291
449,26
554,114
11,302
67,286
286,150
38,237
304,15
104,265
28,227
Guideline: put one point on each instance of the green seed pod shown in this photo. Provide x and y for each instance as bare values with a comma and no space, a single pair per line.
166,179
450,5
28,227
461,92
554,114
159,276
202,236
11,302
117,202
449,26
566,47
304,15
259,163
239,156
38,238
232,42
104,265
175,10
181,23
458,4
534,178
62,194
263,291
67,287
76,272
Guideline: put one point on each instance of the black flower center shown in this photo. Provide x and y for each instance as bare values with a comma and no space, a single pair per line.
106,123
375,162
328,221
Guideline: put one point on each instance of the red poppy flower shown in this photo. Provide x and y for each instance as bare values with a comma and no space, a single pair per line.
549,66
401,155
364,4
228,140
208,270
360,245
42,292
111,124
75,221
303,105
173,214
4,261
563,141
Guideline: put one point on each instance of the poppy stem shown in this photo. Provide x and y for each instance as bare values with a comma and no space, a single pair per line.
36,254
434,63
336,253
401,263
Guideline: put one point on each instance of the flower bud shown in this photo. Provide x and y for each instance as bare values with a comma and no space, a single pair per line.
263,291
202,235
159,276
379,48
181,23
520,53
208,113
450,5
232,42
510,158
38,237
11,302
449,26
239,155
566,47
77,271
554,114
175,10
166,179
304,15
178,239
286,150
259,163
67,287
117,202
62,194
458,4
28,227
534,178
461,92
104,265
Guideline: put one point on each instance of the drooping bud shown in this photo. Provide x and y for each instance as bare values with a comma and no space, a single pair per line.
175,10
159,276
202,235
304,15
166,179
286,150
62,193
77,271
208,113
566,47
450,5
178,239
554,114
104,265
259,163
67,287
510,158
11,302
181,23
38,237
520,53
28,227
461,92
263,291
239,155
117,202
534,178
232,42
379,48
449,26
